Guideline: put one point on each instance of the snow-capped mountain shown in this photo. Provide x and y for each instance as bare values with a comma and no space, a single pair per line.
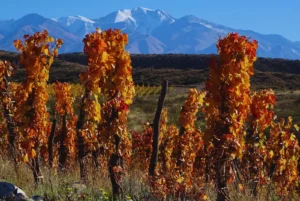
142,20
78,25
149,31
31,23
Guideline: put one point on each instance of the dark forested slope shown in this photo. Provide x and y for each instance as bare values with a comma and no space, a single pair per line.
179,69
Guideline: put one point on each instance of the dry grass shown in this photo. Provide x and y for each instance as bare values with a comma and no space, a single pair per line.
58,187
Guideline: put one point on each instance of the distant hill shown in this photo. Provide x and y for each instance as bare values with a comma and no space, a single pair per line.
188,70
192,61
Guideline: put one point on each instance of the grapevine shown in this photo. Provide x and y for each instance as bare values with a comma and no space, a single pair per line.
66,133
32,117
228,100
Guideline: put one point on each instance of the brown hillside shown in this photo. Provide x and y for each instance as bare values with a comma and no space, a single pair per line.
178,69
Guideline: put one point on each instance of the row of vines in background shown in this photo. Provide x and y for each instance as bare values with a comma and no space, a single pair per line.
140,90
243,144
76,90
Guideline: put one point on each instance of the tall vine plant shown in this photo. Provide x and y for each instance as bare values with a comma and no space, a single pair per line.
31,115
109,73
228,99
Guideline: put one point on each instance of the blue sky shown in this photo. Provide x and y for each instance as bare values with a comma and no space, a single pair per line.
264,16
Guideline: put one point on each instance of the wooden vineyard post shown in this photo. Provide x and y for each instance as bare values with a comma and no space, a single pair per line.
155,143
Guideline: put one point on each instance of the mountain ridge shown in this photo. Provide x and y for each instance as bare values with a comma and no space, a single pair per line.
150,31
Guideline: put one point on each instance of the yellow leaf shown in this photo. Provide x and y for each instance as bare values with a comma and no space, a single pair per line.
46,51
179,180
50,39
128,101
25,158
271,154
204,197
104,57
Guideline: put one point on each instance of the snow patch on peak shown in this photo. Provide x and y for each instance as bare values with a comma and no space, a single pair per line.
124,15
210,26
143,9
164,16
83,19
73,19
78,24
295,52
266,47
